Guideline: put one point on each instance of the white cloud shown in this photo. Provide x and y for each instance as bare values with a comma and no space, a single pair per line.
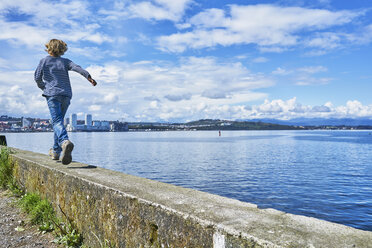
289,109
355,108
195,88
304,75
273,49
313,69
15,32
279,106
321,43
94,108
45,20
110,98
17,96
4,63
281,71
210,18
159,89
304,80
148,10
325,40
198,88
260,60
108,74
172,10
268,26
46,12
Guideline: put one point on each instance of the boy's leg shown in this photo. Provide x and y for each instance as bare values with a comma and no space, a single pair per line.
56,148
67,146
65,103
58,106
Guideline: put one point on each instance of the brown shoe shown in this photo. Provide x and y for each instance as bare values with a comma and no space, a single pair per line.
53,154
67,147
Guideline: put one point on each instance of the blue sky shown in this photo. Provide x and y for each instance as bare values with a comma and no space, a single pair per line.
180,60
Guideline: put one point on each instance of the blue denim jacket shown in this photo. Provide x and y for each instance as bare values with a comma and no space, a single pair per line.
52,77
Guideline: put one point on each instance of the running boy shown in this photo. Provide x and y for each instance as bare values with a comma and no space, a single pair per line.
52,77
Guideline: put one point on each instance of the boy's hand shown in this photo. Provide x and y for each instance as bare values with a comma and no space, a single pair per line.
92,81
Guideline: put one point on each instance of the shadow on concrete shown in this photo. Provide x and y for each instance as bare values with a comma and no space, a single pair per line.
82,167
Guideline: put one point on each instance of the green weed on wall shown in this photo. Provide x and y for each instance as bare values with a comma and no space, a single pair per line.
40,210
7,167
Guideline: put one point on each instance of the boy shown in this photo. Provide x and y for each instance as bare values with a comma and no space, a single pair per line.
52,77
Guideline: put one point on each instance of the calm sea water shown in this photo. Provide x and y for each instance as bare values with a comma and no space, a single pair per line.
323,174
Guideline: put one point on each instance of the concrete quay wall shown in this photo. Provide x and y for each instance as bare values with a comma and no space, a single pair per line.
135,212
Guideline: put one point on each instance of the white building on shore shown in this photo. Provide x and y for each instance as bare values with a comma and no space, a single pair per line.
88,119
89,124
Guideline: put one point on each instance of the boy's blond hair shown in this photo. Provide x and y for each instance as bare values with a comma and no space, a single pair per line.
56,47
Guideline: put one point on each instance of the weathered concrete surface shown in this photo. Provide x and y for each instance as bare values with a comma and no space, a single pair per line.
136,212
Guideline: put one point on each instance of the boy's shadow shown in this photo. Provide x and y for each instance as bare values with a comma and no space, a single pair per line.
83,167
80,167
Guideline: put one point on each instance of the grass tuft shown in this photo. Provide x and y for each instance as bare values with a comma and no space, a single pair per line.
6,170
7,180
41,211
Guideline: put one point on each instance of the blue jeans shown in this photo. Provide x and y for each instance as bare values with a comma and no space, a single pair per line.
58,106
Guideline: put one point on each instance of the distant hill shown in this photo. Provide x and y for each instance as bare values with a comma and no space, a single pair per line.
319,121
211,124
7,118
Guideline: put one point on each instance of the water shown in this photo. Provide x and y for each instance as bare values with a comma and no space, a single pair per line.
322,174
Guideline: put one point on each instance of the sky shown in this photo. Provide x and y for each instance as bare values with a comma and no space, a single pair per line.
183,60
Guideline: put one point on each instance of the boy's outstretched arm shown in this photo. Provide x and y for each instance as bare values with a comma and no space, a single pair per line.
78,69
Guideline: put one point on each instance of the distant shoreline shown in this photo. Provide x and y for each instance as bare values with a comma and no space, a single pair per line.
195,130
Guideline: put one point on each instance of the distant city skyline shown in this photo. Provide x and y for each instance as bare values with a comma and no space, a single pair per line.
177,61
89,124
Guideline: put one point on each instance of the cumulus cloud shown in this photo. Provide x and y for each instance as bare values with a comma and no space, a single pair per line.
268,26
193,88
18,99
280,106
160,9
196,88
172,10
289,109
170,90
355,108
44,19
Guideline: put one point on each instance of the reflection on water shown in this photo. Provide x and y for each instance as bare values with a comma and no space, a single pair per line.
324,174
